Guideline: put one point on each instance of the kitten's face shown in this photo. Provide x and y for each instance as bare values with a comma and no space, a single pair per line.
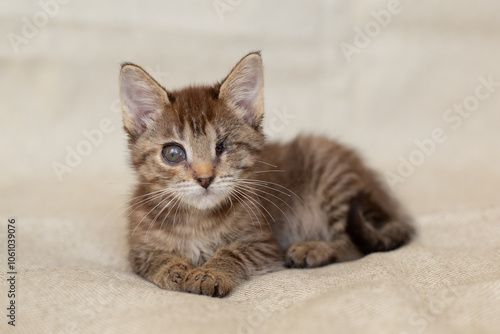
195,142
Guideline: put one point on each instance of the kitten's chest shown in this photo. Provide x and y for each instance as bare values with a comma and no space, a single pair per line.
197,249
196,238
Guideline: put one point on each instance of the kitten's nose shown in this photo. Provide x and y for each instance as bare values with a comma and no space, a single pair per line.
205,181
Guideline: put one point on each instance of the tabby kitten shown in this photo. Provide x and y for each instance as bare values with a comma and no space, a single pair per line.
216,204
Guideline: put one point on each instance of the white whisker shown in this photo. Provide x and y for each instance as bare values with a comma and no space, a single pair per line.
266,183
130,200
250,189
175,213
254,202
242,202
266,163
159,213
177,198
144,201
269,171
147,214
262,185
267,193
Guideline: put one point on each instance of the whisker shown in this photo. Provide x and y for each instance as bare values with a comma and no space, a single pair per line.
147,214
267,193
152,222
175,213
230,201
144,201
254,202
260,182
269,171
260,204
266,163
158,214
122,183
250,189
141,203
130,200
179,198
240,200
262,185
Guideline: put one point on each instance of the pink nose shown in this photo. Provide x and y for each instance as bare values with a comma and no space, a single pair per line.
205,181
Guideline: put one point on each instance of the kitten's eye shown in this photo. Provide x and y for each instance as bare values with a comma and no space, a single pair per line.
173,154
220,147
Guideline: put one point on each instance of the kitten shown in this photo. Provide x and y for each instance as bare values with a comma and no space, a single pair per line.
216,204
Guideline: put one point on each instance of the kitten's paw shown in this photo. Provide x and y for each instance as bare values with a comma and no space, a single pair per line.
205,281
310,254
172,275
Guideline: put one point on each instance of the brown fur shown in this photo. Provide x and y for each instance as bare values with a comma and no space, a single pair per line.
305,204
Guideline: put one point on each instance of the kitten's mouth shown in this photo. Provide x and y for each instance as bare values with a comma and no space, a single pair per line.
205,198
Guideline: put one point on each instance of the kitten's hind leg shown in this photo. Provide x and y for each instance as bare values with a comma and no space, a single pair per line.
312,254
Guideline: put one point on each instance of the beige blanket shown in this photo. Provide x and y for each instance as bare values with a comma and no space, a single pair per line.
414,85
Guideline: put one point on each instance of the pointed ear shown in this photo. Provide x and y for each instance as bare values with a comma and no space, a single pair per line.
243,89
143,99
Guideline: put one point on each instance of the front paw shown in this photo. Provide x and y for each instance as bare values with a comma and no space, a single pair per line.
206,281
171,276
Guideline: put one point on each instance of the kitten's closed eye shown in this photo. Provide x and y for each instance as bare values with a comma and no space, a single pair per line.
221,147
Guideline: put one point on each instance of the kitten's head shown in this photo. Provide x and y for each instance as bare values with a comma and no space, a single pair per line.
196,141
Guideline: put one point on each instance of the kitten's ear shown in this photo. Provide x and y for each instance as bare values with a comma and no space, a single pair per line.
143,99
244,88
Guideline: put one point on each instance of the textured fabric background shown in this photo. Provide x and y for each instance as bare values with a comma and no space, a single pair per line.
58,81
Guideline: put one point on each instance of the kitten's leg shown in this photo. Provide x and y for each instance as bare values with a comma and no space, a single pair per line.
339,247
312,254
361,227
232,264
161,268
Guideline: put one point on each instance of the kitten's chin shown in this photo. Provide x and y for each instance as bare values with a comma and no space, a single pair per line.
206,200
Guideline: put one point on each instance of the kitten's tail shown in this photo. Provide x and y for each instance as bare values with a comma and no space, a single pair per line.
373,229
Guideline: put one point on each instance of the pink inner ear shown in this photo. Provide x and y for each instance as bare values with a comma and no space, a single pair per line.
141,124
248,91
245,92
142,103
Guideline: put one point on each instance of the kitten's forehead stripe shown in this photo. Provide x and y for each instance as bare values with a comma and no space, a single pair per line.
195,107
198,126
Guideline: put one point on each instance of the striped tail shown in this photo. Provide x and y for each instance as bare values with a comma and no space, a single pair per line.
373,229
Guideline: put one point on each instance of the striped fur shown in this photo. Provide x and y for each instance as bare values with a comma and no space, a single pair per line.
303,204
